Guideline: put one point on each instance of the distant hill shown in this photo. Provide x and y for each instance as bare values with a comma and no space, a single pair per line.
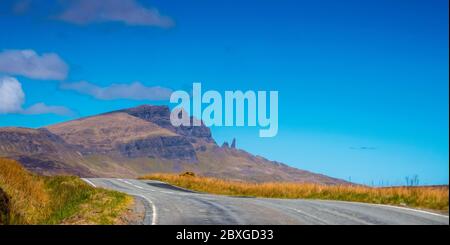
137,141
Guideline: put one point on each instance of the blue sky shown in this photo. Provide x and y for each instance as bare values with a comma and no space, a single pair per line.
363,85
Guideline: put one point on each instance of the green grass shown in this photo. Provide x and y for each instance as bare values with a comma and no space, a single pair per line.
33,199
76,202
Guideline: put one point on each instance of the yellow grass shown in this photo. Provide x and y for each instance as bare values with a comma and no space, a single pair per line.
435,198
31,199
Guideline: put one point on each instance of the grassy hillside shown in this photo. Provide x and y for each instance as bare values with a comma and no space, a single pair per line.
435,198
31,199
236,164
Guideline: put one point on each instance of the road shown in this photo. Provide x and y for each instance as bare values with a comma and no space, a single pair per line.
167,205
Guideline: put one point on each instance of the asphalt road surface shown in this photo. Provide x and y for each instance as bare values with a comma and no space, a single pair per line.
167,205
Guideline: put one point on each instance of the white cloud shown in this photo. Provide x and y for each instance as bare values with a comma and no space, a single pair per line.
12,96
134,91
129,12
27,63
42,108
12,99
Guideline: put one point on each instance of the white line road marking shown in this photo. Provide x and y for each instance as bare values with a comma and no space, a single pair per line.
140,187
393,207
167,192
126,181
415,210
310,216
154,213
89,182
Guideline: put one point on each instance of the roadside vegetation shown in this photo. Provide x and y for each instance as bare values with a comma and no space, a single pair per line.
26,198
434,198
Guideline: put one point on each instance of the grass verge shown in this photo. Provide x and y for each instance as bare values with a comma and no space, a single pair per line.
435,198
26,198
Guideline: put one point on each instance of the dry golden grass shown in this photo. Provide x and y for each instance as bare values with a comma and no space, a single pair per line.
435,198
31,202
32,199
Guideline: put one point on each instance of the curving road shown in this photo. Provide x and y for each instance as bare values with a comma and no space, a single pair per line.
169,205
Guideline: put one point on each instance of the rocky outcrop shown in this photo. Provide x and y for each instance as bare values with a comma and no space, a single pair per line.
226,145
168,148
233,144
160,115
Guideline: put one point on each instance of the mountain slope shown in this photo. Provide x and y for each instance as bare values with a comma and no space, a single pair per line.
41,151
137,141
102,133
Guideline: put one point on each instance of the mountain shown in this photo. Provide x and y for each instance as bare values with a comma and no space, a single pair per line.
136,141
41,151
